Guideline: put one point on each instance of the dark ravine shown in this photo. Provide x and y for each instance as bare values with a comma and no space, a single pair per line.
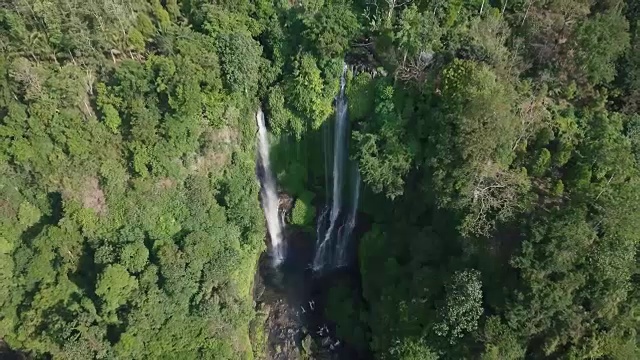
7,354
294,297
294,293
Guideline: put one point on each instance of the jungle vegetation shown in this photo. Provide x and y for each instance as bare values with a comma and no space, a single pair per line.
498,142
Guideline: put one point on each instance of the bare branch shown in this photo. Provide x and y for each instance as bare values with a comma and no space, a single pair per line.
495,194
526,12
605,187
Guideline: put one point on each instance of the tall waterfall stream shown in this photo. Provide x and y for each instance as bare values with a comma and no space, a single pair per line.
269,192
336,223
295,276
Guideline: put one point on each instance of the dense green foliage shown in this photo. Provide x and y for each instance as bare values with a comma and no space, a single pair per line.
511,233
130,223
498,143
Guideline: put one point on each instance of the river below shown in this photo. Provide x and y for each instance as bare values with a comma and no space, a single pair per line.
295,299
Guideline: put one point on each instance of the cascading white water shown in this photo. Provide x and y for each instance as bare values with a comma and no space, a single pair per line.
269,194
338,161
339,147
326,144
350,224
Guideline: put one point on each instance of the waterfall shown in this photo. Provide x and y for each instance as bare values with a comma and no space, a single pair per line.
345,234
326,143
324,249
268,192
338,154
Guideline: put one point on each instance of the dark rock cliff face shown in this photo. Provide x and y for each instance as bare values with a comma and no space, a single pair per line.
291,302
280,294
285,203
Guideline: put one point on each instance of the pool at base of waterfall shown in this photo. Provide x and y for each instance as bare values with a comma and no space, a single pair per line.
294,300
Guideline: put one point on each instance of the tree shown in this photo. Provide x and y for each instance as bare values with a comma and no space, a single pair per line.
111,117
361,95
462,307
347,315
500,341
330,29
306,91
417,38
411,349
542,163
134,256
303,212
115,286
596,55
469,90
382,152
470,149
28,214
240,61
281,119
161,15
28,76
417,32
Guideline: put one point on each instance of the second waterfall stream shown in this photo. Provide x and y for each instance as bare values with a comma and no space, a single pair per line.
269,192
334,226
337,220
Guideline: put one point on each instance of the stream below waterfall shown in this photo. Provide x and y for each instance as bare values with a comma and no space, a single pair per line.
295,298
